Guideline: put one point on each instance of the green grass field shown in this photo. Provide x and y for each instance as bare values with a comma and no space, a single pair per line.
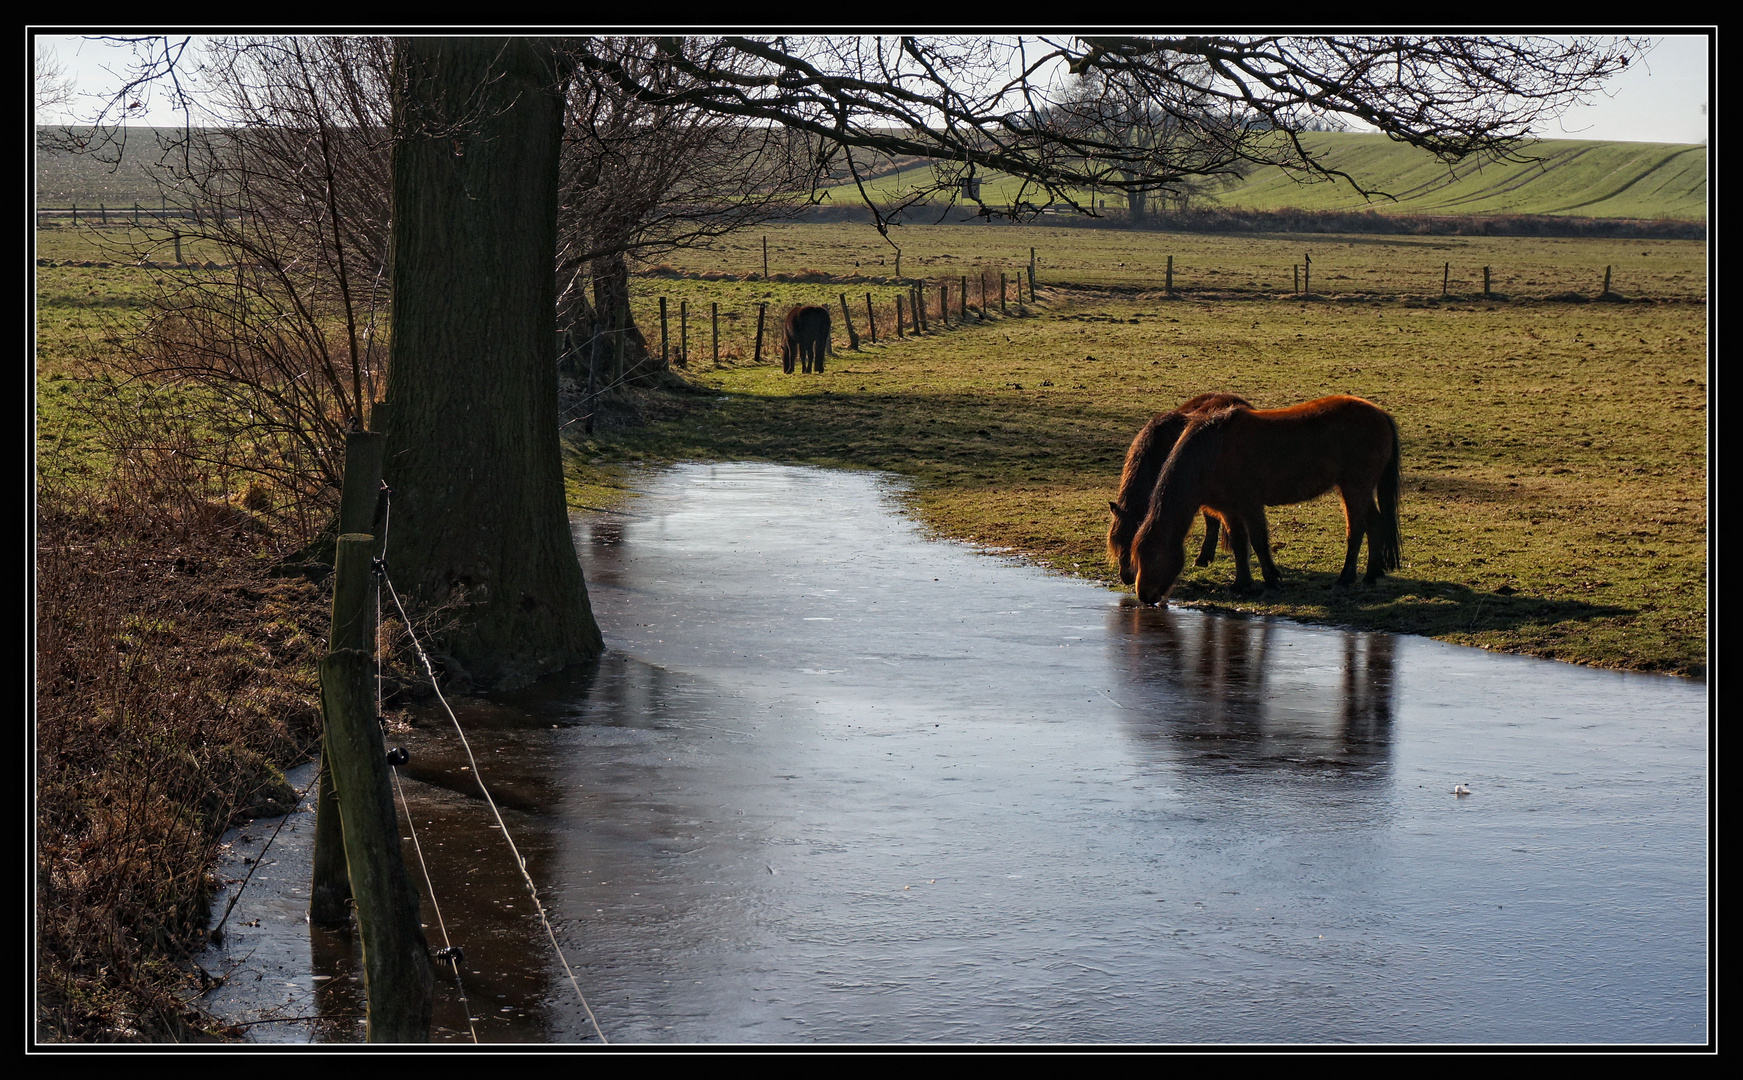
1575,177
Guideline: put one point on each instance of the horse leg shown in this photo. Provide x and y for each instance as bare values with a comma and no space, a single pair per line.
1259,534
1208,551
1355,526
1238,547
1375,570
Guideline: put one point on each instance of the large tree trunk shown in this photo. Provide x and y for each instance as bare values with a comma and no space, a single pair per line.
479,520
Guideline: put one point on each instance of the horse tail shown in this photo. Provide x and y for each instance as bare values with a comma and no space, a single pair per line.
1386,537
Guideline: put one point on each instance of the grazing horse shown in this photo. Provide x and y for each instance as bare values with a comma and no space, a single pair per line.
807,338
1239,461
1144,460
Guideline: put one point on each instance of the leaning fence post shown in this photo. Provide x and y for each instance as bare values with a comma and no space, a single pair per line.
847,321
871,319
944,303
396,964
962,298
330,884
665,358
684,332
762,310
1606,281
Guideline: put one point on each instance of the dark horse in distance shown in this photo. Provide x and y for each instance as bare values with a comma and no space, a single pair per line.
807,338
1144,461
1239,461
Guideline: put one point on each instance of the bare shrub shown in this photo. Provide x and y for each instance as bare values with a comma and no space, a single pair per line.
173,679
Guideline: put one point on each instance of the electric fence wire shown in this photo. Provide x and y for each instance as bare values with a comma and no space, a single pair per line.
478,775
447,952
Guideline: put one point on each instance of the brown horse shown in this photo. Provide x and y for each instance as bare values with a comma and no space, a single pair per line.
1144,460
1239,461
806,338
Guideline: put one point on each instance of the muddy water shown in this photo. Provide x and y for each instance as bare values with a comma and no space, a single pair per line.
836,783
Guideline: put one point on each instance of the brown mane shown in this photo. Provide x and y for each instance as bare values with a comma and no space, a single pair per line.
1144,460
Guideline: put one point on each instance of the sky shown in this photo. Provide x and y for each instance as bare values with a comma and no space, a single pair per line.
1661,98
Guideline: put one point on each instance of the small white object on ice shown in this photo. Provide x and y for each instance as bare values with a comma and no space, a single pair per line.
1460,789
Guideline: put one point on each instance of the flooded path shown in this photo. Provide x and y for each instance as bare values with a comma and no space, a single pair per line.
837,783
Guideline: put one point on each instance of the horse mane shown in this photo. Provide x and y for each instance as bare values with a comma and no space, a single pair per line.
1175,499
1143,463
1143,460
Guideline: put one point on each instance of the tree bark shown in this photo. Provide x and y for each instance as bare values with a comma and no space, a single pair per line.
479,526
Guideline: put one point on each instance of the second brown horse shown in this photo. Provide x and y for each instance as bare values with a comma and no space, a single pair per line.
1144,460
1239,461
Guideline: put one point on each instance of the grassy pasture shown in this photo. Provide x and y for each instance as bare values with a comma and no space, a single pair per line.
1343,265
1554,452
1576,177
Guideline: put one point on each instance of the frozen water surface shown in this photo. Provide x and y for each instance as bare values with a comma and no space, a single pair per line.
837,783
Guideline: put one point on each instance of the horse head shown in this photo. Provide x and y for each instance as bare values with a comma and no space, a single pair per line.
1157,564
1122,527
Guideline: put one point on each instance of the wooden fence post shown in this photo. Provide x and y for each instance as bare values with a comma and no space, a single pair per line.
1002,309
1445,278
871,320
359,497
1306,274
397,979
714,321
944,303
396,962
899,332
765,257
1606,281
847,321
962,298
1485,283
1031,273
684,332
665,357
1170,279
762,310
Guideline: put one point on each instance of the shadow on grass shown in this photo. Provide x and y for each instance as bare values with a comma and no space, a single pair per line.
1398,605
